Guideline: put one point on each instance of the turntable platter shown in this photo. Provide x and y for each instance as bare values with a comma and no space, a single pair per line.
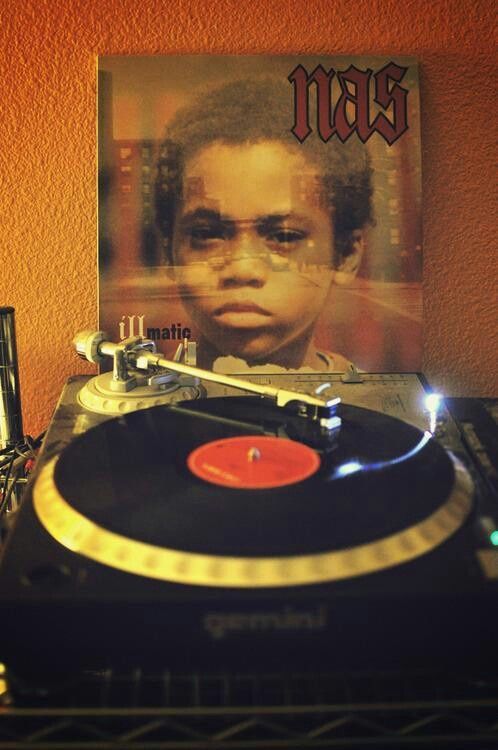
123,494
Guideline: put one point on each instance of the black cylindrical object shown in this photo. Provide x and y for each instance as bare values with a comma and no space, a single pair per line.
11,431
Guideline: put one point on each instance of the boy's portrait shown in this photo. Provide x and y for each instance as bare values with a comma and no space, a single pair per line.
217,223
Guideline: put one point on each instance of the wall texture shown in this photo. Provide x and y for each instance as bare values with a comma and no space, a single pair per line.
48,155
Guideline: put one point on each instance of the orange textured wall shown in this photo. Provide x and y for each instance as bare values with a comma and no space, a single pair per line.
48,153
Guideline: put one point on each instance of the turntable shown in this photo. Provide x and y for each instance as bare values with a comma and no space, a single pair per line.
288,527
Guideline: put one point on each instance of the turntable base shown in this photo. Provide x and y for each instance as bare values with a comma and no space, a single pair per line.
125,557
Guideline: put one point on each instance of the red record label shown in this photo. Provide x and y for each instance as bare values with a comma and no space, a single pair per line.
253,462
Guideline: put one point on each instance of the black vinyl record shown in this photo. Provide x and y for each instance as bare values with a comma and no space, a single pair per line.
129,477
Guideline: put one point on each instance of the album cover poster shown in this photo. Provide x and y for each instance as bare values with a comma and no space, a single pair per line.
266,207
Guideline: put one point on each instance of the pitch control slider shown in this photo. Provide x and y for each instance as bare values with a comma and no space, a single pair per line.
137,353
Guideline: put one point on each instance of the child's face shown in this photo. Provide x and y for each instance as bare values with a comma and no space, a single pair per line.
253,248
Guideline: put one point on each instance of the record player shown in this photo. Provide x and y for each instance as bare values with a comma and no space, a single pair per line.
185,518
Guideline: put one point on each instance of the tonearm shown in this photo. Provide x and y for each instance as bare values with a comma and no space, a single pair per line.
138,355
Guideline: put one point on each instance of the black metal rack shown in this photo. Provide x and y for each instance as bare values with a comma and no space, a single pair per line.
109,710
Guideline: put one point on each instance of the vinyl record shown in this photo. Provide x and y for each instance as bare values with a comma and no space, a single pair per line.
124,494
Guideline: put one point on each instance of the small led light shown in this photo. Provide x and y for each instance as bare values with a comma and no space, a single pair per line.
433,401
493,538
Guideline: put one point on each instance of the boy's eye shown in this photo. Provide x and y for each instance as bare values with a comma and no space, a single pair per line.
286,236
204,233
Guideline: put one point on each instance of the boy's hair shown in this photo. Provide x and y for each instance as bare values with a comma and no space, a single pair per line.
254,110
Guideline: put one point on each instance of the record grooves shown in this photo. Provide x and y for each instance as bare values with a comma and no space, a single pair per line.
122,494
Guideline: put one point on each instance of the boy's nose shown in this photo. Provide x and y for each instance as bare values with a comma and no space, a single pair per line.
246,262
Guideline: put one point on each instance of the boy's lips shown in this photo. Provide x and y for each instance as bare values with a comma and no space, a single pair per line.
241,307
242,315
